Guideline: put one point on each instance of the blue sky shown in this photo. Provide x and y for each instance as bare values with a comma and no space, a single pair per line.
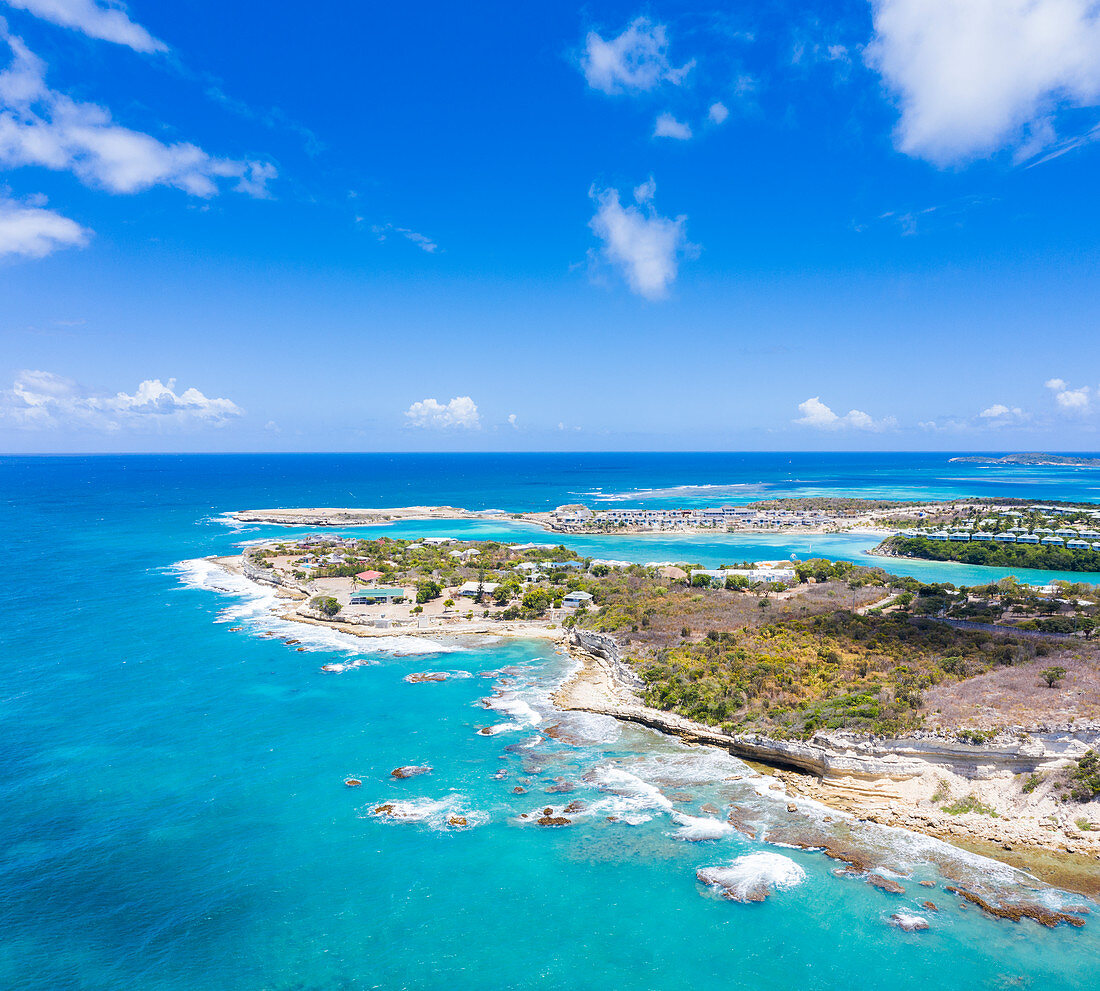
812,226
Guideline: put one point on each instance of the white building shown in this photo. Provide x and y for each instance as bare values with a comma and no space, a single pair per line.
575,600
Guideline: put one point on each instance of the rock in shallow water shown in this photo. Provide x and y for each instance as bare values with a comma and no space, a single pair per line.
411,770
908,923
885,883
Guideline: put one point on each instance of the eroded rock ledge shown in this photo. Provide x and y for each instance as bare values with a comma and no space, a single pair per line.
893,781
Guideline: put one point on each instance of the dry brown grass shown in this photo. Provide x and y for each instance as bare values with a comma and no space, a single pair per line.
1017,696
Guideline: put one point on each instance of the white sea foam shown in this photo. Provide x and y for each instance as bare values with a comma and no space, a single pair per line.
433,812
258,608
697,828
629,798
712,491
517,708
908,921
755,872
501,728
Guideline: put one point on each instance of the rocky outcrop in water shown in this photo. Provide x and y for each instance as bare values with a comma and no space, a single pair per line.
410,770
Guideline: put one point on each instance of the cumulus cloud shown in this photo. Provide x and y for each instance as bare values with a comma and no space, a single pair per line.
817,415
34,232
39,399
513,420
1000,415
633,62
637,241
1077,401
106,23
461,412
668,126
422,241
41,126
977,76
718,113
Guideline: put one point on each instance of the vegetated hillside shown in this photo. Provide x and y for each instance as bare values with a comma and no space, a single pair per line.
825,672
803,659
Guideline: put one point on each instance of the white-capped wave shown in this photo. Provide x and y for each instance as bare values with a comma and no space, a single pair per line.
521,711
437,813
695,829
712,491
753,875
908,921
258,607
629,798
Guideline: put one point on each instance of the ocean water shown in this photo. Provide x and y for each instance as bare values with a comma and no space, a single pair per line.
174,812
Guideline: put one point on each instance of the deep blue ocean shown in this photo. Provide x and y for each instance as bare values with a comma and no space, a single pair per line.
174,812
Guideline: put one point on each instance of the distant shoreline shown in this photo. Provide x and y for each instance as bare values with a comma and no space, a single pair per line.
1029,460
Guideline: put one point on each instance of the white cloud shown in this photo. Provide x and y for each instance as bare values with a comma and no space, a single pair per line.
668,126
41,126
460,412
974,76
422,241
634,61
718,113
39,399
109,23
1000,415
1077,401
645,192
817,415
644,246
513,420
33,232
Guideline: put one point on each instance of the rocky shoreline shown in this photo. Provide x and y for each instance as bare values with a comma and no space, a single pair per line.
894,782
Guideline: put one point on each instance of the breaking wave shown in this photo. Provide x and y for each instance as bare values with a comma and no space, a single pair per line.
257,608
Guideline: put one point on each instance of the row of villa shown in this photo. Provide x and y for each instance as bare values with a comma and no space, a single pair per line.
1071,539
714,516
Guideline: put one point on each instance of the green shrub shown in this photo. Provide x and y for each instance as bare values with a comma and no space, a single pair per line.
428,590
1031,782
325,604
970,804
1085,777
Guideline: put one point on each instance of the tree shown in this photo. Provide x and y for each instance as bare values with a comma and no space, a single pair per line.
325,604
1053,675
428,590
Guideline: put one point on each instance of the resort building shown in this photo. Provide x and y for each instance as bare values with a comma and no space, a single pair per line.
375,596
575,600
469,590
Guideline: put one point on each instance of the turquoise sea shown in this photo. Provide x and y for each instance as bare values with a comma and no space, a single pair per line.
174,812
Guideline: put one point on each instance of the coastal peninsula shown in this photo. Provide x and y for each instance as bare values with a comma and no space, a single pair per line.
811,515
866,689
